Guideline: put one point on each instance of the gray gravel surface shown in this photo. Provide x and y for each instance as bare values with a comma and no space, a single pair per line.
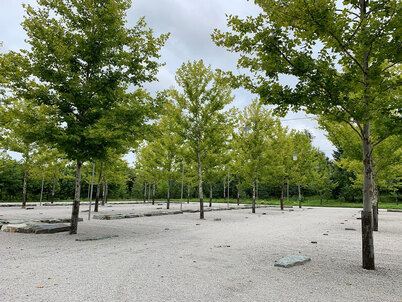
171,258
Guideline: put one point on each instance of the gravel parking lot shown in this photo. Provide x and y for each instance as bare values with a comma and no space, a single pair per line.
182,258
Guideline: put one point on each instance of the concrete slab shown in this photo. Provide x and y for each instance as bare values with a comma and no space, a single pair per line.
50,228
96,238
292,260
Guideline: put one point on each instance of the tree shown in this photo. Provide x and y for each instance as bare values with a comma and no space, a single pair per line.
303,161
10,177
81,61
17,135
253,140
48,167
280,157
346,61
204,94
321,175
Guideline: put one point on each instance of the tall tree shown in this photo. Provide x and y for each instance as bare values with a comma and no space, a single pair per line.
80,61
303,161
252,139
280,158
346,61
204,94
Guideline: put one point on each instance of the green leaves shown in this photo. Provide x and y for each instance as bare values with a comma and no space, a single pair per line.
326,48
76,73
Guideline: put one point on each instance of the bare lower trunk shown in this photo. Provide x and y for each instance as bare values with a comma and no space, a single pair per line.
224,189
300,195
145,191
53,189
76,204
168,195
200,192
238,193
188,193
24,190
367,232
253,205
153,194
107,191
103,192
282,193
210,195
98,189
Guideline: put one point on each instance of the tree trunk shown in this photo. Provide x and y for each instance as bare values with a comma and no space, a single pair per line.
300,195
253,205
53,189
24,190
224,189
153,194
103,191
200,192
188,193
168,195
367,232
238,193
106,192
149,191
145,191
98,189
282,193
210,195
76,204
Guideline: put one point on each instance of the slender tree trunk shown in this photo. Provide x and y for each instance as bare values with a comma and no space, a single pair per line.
149,191
103,191
238,193
367,218
224,189
200,192
107,191
24,190
210,195
188,193
98,189
53,189
367,233
228,187
282,193
41,189
153,194
76,204
254,194
145,191
300,195
168,195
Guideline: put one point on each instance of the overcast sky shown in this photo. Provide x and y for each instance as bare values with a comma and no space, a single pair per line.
190,23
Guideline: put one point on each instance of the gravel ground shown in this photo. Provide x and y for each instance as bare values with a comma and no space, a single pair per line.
182,258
